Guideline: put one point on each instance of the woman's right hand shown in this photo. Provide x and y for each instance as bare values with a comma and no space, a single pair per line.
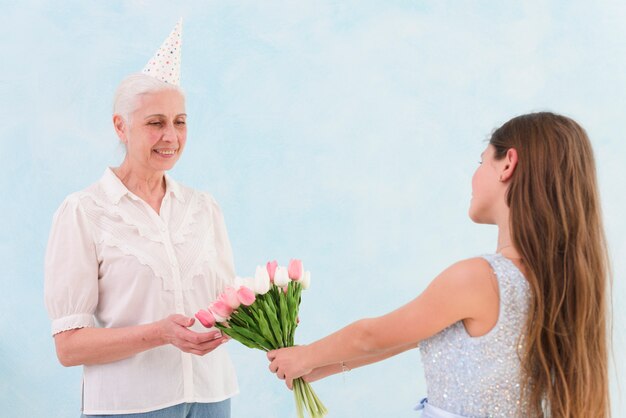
175,330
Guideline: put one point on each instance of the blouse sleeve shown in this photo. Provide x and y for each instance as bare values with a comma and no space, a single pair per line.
225,267
71,269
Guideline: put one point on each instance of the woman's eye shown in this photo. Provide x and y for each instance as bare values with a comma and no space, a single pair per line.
154,123
181,122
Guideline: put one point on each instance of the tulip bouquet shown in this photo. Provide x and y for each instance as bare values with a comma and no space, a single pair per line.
262,312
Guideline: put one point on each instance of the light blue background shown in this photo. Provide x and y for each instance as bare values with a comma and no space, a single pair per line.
342,133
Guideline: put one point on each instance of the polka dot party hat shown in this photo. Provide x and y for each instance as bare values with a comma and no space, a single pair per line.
165,64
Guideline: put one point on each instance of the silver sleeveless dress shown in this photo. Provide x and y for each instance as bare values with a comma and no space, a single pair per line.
477,377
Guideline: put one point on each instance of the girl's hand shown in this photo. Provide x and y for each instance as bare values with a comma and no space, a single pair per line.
175,330
289,363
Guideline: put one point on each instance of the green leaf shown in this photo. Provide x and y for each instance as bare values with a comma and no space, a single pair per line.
266,332
235,319
284,318
244,314
240,338
291,303
259,339
276,328
297,291
275,293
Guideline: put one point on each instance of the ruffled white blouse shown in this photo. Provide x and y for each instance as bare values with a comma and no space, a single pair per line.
112,261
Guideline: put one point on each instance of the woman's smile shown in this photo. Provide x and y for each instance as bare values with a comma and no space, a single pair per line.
165,152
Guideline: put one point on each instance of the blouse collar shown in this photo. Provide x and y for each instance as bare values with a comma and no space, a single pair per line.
115,189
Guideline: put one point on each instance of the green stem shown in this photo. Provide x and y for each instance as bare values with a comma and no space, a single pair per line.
313,409
308,400
299,398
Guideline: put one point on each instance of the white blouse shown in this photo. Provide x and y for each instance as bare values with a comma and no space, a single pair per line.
112,261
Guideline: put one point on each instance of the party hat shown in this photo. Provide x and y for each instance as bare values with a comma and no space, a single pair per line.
165,64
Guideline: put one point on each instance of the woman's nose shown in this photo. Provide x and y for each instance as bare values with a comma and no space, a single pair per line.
170,133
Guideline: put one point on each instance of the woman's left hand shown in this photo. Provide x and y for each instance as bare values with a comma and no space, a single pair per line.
175,330
289,363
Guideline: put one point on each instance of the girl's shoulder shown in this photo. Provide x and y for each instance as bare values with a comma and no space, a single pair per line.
488,266
469,272
473,264
468,286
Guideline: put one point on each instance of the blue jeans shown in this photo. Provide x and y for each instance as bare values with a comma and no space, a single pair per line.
183,410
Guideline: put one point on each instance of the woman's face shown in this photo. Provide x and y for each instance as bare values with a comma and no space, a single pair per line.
157,131
486,188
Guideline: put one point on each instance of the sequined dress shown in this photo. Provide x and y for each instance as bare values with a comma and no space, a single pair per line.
480,376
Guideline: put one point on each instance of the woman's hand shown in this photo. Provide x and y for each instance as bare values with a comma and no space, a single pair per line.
289,363
175,330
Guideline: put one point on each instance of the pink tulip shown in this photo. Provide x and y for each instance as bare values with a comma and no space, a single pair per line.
295,269
230,298
271,269
246,296
221,308
206,318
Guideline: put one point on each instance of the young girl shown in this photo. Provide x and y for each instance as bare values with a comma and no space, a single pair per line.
518,333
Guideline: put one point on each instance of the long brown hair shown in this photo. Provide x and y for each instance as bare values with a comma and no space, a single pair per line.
556,225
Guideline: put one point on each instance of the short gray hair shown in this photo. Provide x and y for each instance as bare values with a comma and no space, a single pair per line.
132,88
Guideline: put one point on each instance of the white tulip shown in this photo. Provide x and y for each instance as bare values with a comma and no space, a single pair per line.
262,282
281,277
305,281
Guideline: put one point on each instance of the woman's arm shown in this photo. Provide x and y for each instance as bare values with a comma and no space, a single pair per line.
105,345
464,291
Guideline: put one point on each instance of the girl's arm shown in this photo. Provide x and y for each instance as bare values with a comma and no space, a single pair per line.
331,369
105,345
465,291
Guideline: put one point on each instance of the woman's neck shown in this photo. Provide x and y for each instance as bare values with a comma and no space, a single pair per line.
149,186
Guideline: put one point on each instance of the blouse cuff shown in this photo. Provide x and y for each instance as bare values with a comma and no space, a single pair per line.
72,322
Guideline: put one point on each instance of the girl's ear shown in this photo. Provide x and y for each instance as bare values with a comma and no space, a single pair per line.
120,127
510,163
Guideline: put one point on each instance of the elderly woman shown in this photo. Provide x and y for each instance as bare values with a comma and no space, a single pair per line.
129,260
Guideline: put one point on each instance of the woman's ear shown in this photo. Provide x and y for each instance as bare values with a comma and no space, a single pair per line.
510,163
120,127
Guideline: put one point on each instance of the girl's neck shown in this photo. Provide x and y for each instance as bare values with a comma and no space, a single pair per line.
505,243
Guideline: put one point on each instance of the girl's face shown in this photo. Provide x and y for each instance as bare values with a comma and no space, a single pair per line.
157,132
487,189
